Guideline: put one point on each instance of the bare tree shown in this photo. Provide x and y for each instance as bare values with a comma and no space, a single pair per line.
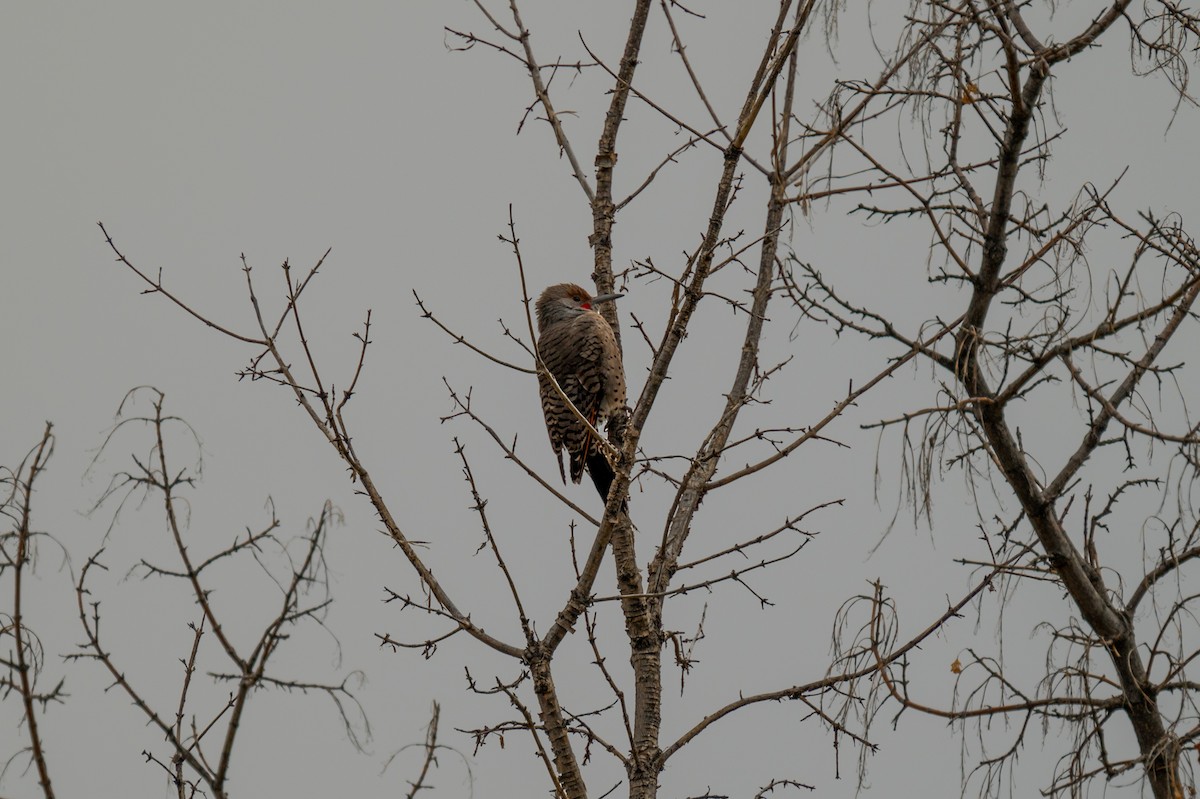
202,728
1026,329
1063,318
762,135
201,742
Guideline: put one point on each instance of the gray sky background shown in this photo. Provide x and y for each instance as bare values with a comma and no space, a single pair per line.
198,134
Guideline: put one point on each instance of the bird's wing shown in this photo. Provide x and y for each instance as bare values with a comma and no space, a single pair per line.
573,352
559,353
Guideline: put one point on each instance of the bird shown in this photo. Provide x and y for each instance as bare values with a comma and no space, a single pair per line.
578,347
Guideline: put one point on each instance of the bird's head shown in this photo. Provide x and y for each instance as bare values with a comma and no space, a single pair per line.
567,300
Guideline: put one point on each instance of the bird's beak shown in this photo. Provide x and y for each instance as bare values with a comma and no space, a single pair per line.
606,298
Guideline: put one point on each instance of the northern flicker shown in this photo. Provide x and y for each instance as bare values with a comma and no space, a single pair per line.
579,348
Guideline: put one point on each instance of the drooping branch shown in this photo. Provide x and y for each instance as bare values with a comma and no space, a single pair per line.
16,557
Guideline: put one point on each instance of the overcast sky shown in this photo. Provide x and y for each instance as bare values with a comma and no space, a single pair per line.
198,134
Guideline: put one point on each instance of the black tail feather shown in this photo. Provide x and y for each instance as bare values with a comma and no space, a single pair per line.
601,473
